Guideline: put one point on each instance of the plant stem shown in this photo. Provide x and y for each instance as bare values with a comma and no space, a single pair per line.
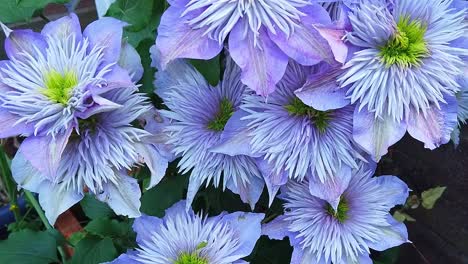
43,218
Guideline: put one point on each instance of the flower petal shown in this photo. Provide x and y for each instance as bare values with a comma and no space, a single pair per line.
322,92
25,175
156,162
63,28
25,41
392,235
435,127
276,228
248,227
100,105
9,128
123,197
235,137
396,191
273,180
263,64
332,189
106,33
177,40
56,199
144,226
305,45
130,60
249,192
375,136
125,258
45,152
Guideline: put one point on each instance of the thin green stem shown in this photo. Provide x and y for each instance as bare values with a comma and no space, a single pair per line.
44,220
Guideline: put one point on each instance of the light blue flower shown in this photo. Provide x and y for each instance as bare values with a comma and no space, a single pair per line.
404,76
305,127
73,96
262,35
205,129
183,237
322,233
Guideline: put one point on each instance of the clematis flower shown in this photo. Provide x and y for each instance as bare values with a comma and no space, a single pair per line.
305,126
263,35
183,237
67,93
203,129
321,233
404,78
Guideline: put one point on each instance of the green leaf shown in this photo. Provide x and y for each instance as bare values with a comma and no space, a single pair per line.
210,69
94,250
28,247
76,237
105,227
169,191
430,197
22,10
94,208
402,216
135,13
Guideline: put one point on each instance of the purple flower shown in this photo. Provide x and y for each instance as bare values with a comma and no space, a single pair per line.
185,237
404,76
72,96
305,127
323,233
205,129
263,35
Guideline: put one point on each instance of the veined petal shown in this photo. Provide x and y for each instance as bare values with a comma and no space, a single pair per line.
56,199
392,235
276,228
322,92
9,127
100,105
332,189
177,40
249,192
123,196
45,152
106,33
25,175
263,64
396,190
130,60
156,162
436,125
305,45
63,28
144,226
376,135
24,41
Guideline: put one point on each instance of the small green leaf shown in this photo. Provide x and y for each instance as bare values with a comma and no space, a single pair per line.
413,202
29,247
402,216
16,11
94,208
430,197
210,69
105,227
94,250
76,237
170,190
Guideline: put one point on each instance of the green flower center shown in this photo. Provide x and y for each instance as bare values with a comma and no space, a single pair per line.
320,118
341,213
226,110
192,258
408,47
58,86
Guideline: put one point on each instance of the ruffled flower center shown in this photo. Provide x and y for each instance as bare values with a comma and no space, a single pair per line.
226,110
341,213
319,118
407,47
190,258
59,86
